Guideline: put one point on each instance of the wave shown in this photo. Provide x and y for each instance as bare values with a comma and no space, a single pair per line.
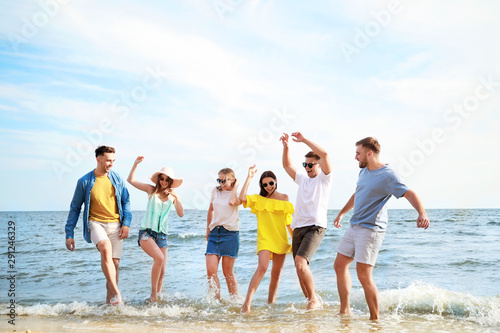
418,299
470,262
171,307
424,298
187,235
83,309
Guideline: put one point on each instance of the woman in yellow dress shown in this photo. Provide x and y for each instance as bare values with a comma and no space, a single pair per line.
274,216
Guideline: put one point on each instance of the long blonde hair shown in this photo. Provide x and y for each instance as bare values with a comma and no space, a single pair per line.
228,172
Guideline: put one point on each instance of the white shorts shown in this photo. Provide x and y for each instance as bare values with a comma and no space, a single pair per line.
107,230
361,244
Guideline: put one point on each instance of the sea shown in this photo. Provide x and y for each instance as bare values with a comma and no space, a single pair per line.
443,279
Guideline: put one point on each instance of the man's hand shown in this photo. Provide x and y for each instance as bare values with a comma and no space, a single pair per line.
337,220
297,137
284,139
414,200
124,232
70,244
423,221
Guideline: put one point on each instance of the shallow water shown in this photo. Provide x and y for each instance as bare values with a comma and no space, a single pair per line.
446,278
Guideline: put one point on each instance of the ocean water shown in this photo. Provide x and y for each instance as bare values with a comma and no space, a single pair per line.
443,279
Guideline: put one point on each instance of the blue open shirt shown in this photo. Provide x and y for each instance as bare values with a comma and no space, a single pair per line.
82,195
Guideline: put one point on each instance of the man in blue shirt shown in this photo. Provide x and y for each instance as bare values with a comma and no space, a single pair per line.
106,217
361,242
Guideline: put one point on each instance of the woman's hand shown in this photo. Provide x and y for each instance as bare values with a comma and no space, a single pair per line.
173,193
252,171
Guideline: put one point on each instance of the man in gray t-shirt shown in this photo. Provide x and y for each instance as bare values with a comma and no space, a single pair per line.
377,183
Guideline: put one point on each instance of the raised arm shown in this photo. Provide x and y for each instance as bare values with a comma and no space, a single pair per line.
423,220
348,206
287,162
131,177
325,163
243,194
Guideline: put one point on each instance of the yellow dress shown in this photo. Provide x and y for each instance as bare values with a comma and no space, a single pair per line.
272,218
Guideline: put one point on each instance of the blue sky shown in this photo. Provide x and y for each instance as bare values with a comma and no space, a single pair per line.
202,85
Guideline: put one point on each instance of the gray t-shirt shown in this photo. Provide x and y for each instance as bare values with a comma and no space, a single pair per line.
373,190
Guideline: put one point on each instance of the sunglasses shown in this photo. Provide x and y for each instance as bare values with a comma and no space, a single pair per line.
161,178
221,181
310,165
271,183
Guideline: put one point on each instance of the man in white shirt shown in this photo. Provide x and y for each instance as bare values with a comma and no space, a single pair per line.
309,220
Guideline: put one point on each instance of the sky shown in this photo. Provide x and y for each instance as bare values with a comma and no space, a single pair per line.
200,85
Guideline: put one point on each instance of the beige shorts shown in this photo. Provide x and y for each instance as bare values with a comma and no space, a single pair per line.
361,244
107,230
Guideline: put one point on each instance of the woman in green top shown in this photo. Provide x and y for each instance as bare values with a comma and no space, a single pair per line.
153,230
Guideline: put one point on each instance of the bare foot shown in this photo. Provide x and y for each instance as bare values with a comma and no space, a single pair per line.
344,311
313,304
116,300
245,309
153,298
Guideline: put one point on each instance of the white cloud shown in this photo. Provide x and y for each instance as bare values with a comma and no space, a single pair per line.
222,79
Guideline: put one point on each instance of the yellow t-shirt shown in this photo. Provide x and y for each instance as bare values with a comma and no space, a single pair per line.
272,218
103,207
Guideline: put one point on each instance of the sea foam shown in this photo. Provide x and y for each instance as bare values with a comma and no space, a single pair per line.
424,298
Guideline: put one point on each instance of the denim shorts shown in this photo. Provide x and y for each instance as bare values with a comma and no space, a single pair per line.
223,242
159,237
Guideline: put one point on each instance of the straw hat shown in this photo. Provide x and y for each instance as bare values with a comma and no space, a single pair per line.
169,173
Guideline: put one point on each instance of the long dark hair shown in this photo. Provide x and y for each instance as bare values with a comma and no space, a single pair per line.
265,174
158,184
